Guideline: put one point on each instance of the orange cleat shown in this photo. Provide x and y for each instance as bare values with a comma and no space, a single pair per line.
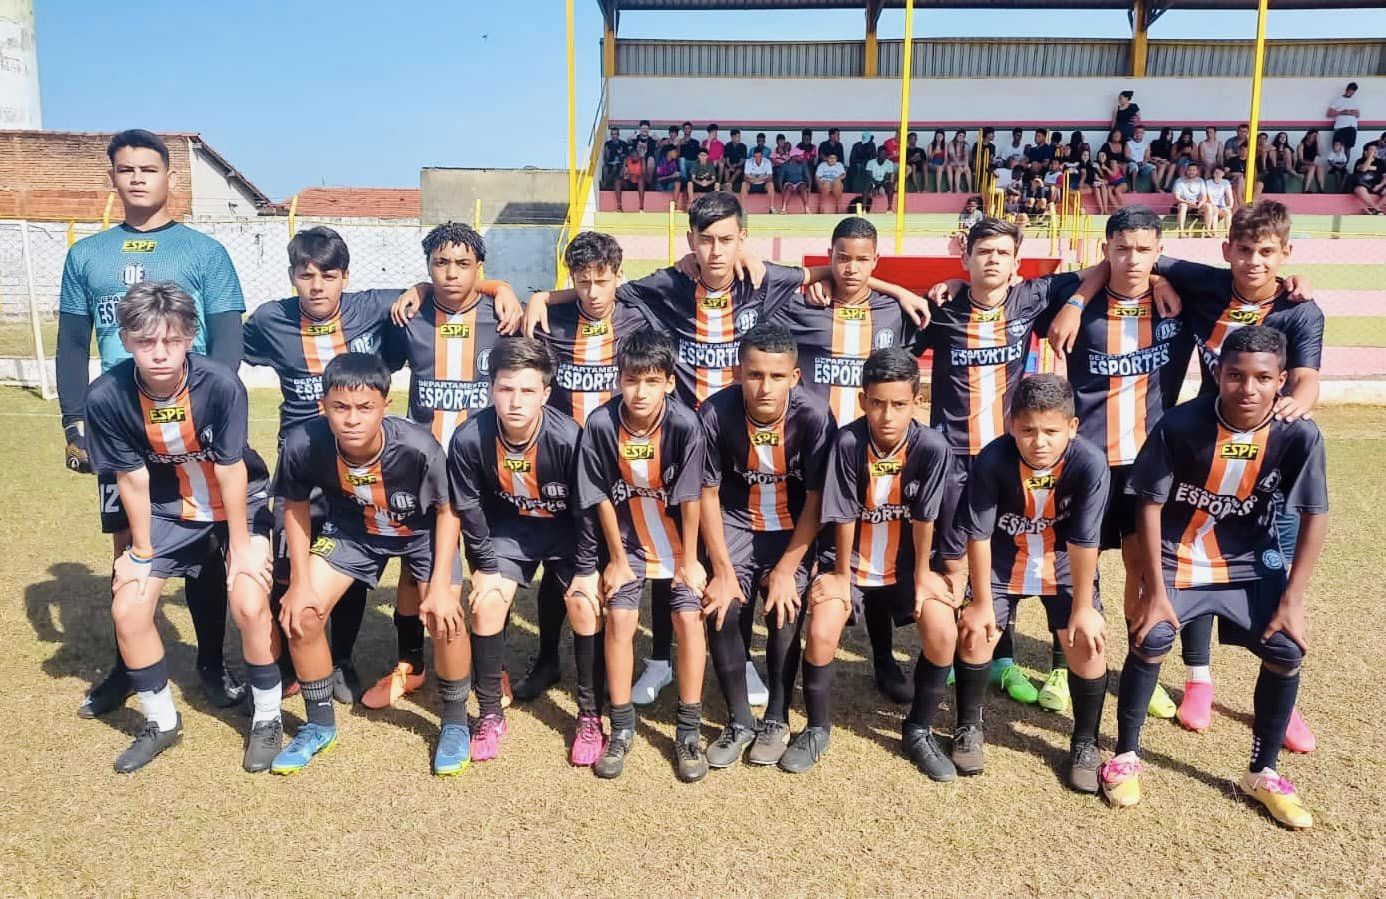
387,691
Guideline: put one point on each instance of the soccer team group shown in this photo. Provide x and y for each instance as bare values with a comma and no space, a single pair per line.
727,430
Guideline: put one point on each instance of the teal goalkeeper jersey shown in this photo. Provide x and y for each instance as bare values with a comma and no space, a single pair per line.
100,268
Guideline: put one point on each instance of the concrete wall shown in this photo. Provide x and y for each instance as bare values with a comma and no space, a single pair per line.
506,194
213,194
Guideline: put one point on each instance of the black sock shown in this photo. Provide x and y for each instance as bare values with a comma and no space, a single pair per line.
1196,640
317,701
930,680
622,717
747,623
687,720
409,634
818,694
1058,660
1138,681
1089,695
1274,701
453,693
729,664
1005,644
880,630
151,678
591,664
345,623
551,613
661,621
206,595
488,659
263,677
971,687
781,666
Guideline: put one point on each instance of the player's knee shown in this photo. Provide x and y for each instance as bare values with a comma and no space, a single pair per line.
1159,640
620,626
130,613
1281,655
581,616
310,629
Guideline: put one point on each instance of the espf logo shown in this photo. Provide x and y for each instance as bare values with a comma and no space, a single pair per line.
637,452
1041,482
594,329
516,464
850,313
1251,316
164,415
455,330
885,467
765,438
1247,451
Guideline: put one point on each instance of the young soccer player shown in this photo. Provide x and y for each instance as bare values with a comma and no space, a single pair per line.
1032,516
1205,481
169,427
767,447
510,471
386,485
148,245
640,466
882,491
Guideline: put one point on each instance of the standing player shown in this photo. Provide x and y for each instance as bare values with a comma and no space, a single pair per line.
1206,480
882,491
767,448
640,466
1032,513
148,245
385,482
169,428
510,472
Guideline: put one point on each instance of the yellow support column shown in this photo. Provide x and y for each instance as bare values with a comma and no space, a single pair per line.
110,201
1139,38
904,128
673,229
608,52
572,112
1255,117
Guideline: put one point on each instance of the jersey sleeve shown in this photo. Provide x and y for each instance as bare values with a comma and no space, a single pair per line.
977,511
817,448
378,302
1202,288
840,502
1090,486
648,295
108,443
290,476
258,349
1048,294
72,297
688,482
221,288
394,347
1304,337
783,284
937,467
710,424
1152,475
592,480
433,487
1309,493
465,481
229,440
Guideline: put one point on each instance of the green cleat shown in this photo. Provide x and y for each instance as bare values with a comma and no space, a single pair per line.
1053,696
1009,679
1161,706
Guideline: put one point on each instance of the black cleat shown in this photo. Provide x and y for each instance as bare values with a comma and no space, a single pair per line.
926,754
222,687
1083,767
727,749
541,675
771,740
613,759
149,742
266,739
892,682
107,696
967,749
692,763
807,747
346,684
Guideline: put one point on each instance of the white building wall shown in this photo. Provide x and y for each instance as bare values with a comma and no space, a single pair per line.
213,194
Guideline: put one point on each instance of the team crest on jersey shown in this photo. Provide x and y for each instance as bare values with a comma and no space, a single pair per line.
516,464
911,490
883,339
554,490
1244,316
1017,328
1247,451
206,436
715,301
132,274
885,467
1166,329
456,330
1041,482
594,329
164,415
138,246
483,361
637,452
320,328
747,320
361,480
403,502
850,313
989,315
323,546
1272,560
1270,482
366,343
765,438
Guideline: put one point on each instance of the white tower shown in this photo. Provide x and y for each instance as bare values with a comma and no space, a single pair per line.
19,79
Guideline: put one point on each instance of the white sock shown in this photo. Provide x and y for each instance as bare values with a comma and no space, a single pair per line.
158,707
267,703
1199,674
656,664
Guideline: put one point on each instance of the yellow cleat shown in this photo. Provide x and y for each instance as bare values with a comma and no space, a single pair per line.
1278,795
1121,780
1161,706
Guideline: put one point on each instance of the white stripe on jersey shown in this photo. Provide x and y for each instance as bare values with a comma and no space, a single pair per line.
880,534
201,499
991,389
767,494
650,513
1127,442
1202,571
1033,584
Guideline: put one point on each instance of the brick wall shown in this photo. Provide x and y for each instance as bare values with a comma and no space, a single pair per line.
62,175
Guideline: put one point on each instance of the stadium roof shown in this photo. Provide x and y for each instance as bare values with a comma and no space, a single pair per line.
609,6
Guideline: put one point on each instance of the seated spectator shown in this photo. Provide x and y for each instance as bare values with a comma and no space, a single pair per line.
1307,162
794,180
915,164
1236,174
779,156
1116,147
1191,195
733,161
1280,162
1367,183
613,159
1114,171
971,214
715,147
759,176
645,145
833,145
1185,150
1038,154
810,151
1234,143
670,140
1017,145
1056,140
1220,201
983,154
1209,150
958,168
1053,180
1337,164
1262,152
1095,176
689,147
1013,204
892,148
702,177
1089,179
1035,198
863,151
667,177
1162,157
937,158
1076,146
1138,156
880,176
632,178
831,177
1127,115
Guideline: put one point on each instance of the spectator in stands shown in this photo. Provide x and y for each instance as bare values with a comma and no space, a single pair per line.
1209,150
1191,195
689,147
984,154
1076,145
971,214
1337,165
1344,112
937,158
1114,172
831,177
880,175
1038,154
1262,152
632,177
915,163
810,151
1056,140
1280,162
733,161
1017,145
1307,162
667,177
760,143
892,148
1236,173
644,144
716,149
833,145
1138,156
1092,180
1367,183
959,169
1116,146
670,140
702,177
613,158
1162,157
863,151
1185,150
1053,179
779,156
794,180
1034,199
759,176
1127,115
1221,202
1236,142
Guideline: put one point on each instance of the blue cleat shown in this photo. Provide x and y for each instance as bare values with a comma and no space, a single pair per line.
308,742
454,752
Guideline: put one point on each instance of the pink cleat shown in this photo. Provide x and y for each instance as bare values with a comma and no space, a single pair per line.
486,737
1298,736
589,742
1196,709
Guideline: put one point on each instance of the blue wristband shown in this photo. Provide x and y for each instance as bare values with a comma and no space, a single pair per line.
138,559
1076,303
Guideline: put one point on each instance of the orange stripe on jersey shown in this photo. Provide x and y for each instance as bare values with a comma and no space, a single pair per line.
1129,328
367,484
1237,459
323,341
168,425
1033,573
594,344
454,359
519,477
852,330
640,466
878,542
768,502
986,384
714,321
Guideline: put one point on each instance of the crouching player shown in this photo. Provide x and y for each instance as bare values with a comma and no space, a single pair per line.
170,427
882,491
385,481
1206,481
510,470
1033,517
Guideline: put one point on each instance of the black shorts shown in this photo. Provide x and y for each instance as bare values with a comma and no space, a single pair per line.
1056,608
113,519
181,547
755,553
522,571
1347,137
628,597
1119,521
317,513
898,598
701,188
364,558
950,542
1243,610
757,188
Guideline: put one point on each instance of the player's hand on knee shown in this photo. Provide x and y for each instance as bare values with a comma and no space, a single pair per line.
831,587
721,591
615,576
253,561
1153,611
691,574
977,626
299,610
441,608
486,586
1289,619
932,587
586,588
1087,628
130,568
781,597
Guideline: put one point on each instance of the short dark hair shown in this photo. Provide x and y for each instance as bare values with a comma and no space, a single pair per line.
769,337
515,353
712,126
734,131
994,227
457,234
137,137
353,371
646,351
644,122
1044,393
760,135
854,226
320,246
1352,85
1264,218
686,125
593,249
148,304
712,207
889,365
1255,339
1133,218
1128,94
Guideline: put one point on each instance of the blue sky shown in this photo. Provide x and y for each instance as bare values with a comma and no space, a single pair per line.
361,93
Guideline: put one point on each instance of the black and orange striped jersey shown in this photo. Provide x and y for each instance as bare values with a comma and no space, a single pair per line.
585,349
979,358
1216,483
646,477
1214,309
179,439
1031,516
280,336
883,492
763,471
397,494
518,502
707,325
834,342
448,354
1126,367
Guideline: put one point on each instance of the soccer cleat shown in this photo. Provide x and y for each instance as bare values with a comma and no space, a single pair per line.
1083,767
808,746
967,749
727,749
454,750
771,739
222,687
1278,795
1054,695
891,681
346,683
263,745
657,675
756,691
107,696
927,755
1196,708
507,694
1121,780
1161,706
1009,679
387,691
486,743
1298,736
613,759
692,762
310,740
149,742
541,675
588,743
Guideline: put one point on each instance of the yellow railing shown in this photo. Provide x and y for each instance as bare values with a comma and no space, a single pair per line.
577,203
